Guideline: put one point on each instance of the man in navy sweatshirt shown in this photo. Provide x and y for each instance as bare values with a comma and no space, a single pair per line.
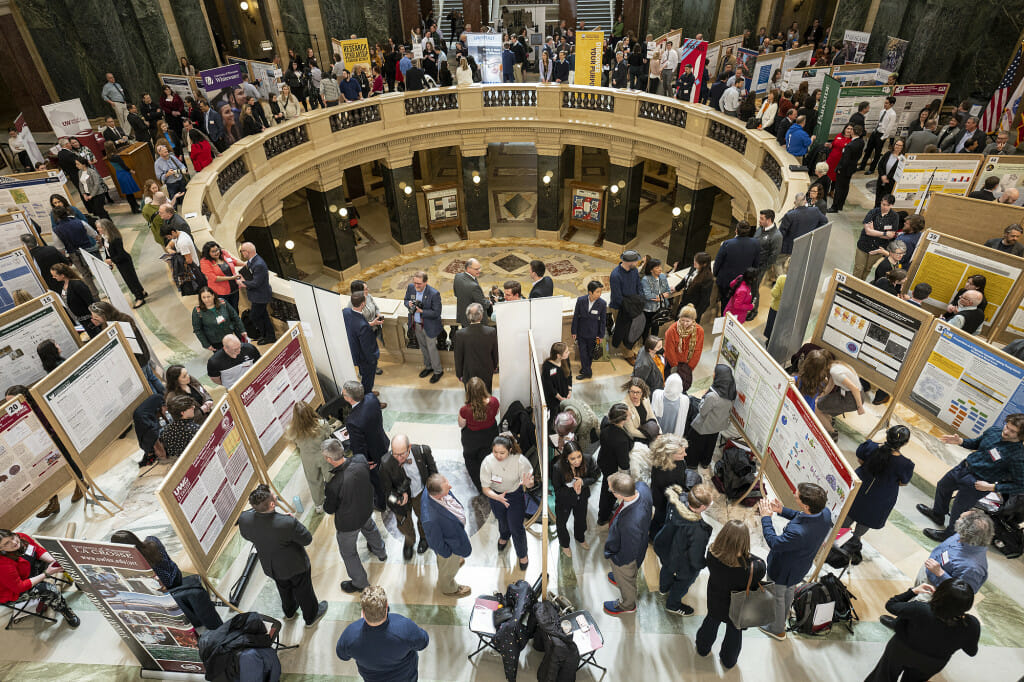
384,644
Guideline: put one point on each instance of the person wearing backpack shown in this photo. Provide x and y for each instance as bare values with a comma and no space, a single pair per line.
882,471
792,553
681,544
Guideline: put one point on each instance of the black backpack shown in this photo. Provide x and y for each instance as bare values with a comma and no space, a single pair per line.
519,421
810,595
735,472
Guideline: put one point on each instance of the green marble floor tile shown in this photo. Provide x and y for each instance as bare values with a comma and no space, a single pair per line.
44,671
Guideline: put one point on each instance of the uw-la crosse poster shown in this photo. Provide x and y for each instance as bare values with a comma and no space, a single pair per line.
123,587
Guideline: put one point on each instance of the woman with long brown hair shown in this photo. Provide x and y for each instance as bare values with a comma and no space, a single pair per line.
731,567
308,430
180,382
697,284
812,375
572,475
478,419
556,377
75,294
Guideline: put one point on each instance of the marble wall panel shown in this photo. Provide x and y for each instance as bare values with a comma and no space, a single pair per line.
293,20
744,16
195,36
850,15
695,16
888,21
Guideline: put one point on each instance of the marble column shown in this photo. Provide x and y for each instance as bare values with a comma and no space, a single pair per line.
851,15
744,15
692,227
477,195
723,27
293,21
22,76
631,15
373,19
402,213
622,207
550,199
887,22
695,16
195,31
470,14
333,234
262,237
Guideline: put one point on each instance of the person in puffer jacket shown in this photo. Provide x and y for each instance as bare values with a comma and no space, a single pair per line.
681,545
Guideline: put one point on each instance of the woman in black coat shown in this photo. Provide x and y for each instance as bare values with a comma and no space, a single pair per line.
613,456
556,377
882,471
668,468
572,476
76,296
887,167
698,284
928,634
731,567
113,245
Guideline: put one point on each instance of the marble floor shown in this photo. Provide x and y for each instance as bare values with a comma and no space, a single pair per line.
659,644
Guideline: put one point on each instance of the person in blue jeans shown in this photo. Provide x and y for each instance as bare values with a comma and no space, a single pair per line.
995,463
792,553
504,476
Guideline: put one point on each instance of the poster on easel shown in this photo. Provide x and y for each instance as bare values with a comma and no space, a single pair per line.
442,203
266,394
586,206
23,328
266,77
813,76
856,74
18,273
122,586
945,262
31,192
32,468
850,99
925,175
797,58
855,46
764,69
486,49
13,224
208,487
912,99
872,331
1010,171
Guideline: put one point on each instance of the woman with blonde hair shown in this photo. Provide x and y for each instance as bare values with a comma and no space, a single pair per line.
731,568
668,468
478,419
308,430
463,74
684,343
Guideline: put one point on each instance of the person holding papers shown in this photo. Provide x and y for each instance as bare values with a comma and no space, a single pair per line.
234,359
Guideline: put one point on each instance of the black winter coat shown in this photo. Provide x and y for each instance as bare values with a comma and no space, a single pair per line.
682,542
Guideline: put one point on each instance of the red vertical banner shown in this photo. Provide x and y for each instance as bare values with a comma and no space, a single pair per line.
695,53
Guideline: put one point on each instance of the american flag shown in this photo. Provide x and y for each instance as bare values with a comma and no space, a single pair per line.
1000,98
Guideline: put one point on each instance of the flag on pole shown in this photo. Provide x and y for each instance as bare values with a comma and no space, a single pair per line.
993,113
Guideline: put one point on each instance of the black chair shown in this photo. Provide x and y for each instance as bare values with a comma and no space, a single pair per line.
19,606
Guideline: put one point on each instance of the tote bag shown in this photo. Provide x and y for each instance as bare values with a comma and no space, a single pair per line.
751,609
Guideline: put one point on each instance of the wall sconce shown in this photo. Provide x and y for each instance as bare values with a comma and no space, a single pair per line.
476,177
244,6
547,177
343,212
334,208
676,211
408,189
621,184
289,245
686,208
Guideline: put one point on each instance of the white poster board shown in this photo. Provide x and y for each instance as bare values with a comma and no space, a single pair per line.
266,78
486,49
513,326
320,316
29,140
28,457
12,226
794,57
19,362
107,283
856,74
764,67
814,77
850,98
179,85
67,118
927,174
31,193
855,45
17,271
911,99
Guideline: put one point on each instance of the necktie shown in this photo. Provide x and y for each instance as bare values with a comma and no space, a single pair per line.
615,513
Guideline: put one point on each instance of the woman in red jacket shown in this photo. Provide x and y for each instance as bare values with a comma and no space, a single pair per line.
173,108
219,267
24,567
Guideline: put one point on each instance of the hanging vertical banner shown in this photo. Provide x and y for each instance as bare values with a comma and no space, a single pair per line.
694,52
485,48
122,586
895,49
589,50
830,88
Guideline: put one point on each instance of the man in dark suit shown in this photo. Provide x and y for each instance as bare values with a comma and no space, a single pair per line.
846,168
362,340
785,123
468,290
402,477
797,222
717,90
857,117
734,257
792,554
140,129
970,140
444,522
349,497
628,534
114,133
620,71
414,77
543,285
66,159
424,304
365,424
259,292
476,348
987,192
280,540
588,322
212,124
45,257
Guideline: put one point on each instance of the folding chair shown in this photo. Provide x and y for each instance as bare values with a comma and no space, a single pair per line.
26,606
481,623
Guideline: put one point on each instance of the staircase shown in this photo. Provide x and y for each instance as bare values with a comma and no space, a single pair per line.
596,13
441,10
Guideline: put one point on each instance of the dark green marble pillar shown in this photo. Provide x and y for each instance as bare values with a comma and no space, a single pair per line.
851,15
478,212
405,222
293,20
623,205
549,194
744,16
195,36
262,237
695,16
692,227
888,20
333,234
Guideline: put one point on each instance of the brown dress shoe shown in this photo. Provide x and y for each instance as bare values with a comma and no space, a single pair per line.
78,494
52,507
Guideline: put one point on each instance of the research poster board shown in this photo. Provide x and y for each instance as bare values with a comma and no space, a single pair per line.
67,118
67,396
794,57
586,208
872,331
486,50
764,67
850,97
911,99
107,283
928,174
1009,169
814,77
760,384
13,224
18,271
123,587
266,77
962,384
442,202
856,74
855,46
209,485
1010,325
23,328
30,192
32,468
725,48
946,262
267,392
182,86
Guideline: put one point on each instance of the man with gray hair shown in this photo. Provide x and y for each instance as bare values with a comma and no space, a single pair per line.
365,424
468,290
970,140
258,289
403,475
476,348
349,497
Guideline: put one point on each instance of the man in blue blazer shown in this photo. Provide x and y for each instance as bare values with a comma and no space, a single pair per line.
366,436
626,545
259,292
588,320
212,124
792,553
444,525
424,304
362,341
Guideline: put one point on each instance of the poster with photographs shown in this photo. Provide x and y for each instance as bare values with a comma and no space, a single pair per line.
442,205
587,206
895,49
855,46
1010,171
123,587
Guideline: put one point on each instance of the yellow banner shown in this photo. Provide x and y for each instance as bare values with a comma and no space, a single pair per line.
589,50
354,52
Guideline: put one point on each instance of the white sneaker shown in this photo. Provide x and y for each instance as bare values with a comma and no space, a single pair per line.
319,509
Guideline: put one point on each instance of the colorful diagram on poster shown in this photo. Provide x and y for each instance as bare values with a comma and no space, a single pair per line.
760,384
927,174
586,206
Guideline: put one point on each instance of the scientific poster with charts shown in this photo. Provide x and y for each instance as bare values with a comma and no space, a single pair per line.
966,385
17,271
266,77
21,333
760,384
804,454
856,74
850,98
764,69
212,489
1010,171
927,174
911,99
29,459
814,77
31,193
12,226
271,394
111,373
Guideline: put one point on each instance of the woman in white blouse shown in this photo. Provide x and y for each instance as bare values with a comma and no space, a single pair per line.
505,474
769,107
463,74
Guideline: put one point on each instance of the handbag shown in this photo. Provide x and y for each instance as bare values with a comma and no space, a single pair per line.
751,609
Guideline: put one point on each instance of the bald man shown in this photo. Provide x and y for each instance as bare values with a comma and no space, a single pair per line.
967,316
227,365
259,292
402,477
1009,196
